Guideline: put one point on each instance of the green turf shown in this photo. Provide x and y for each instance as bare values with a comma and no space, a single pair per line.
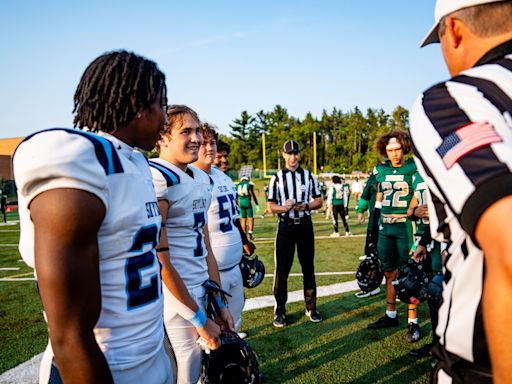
338,350
23,331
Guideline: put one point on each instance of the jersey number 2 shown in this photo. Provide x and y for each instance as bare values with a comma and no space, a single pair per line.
143,268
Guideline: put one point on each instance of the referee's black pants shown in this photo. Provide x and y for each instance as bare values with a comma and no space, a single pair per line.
291,236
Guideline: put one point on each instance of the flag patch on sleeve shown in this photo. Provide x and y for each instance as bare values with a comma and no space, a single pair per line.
465,140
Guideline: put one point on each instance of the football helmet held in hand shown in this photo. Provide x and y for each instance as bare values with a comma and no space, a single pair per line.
253,271
233,362
369,273
412,281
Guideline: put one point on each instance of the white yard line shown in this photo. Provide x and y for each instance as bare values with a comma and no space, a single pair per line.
27,372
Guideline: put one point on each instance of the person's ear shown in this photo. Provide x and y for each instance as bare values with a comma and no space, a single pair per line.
454,31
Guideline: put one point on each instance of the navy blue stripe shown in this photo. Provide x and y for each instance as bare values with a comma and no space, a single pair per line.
103,148
171,177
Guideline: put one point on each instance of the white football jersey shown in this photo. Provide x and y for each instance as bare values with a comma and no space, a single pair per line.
225,237
129,330
189,195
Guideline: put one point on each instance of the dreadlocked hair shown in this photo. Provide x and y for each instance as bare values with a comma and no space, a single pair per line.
114,88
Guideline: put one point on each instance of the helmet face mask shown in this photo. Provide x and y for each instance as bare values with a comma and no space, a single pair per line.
369,273
253,271
412,282
435,290
233,362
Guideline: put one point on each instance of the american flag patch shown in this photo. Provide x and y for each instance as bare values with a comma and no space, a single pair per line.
465,140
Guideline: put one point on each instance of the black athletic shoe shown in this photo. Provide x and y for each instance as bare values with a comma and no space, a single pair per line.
384,322
420,353
314,316
279,321
413,333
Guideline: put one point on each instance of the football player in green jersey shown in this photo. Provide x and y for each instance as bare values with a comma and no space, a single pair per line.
245,194
395,230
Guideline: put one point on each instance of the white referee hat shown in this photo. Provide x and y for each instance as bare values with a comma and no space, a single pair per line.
444,8
291,146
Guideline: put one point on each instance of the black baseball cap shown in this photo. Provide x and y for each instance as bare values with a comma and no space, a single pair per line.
291,146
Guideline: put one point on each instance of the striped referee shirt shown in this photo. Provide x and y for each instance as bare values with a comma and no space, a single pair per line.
462,139
300,185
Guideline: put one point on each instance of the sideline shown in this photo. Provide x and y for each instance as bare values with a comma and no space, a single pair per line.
27,372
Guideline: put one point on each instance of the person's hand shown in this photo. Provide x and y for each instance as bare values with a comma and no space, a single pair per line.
225,320
249,248
300,207
360,218
211,333
420,253
289,204
257,208
421,211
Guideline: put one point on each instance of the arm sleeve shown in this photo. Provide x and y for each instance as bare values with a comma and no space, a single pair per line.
254,195
362,206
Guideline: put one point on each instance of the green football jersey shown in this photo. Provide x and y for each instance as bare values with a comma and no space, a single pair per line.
242,189
420,192
396,186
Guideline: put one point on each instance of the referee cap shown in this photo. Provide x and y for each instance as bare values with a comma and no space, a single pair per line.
291,146
444,8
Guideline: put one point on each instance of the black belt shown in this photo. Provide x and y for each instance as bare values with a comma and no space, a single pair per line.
295,220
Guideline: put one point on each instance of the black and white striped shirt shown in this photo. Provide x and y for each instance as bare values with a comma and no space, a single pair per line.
300,185
462,138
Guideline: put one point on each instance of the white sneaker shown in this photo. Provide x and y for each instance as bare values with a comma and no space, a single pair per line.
361,295
335,234
348,234
242,335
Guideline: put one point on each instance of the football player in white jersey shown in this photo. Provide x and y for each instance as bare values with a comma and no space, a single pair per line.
184,194
227,237
89,223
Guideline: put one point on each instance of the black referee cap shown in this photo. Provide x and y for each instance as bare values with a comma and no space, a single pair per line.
291,146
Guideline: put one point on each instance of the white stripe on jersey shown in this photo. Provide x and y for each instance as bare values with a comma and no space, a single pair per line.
458,324
430,141
480,94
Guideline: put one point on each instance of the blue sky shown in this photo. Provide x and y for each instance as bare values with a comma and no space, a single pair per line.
219,57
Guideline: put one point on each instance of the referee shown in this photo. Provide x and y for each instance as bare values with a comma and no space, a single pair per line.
293,192
462,138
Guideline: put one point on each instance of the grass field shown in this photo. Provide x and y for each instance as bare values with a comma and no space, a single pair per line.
338,350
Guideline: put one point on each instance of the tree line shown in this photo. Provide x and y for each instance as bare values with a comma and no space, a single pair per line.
344,139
